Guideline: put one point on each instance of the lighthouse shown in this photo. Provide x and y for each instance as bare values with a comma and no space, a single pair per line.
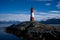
32,15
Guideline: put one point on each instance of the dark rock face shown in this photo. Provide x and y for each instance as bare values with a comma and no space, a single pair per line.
51,21
34,31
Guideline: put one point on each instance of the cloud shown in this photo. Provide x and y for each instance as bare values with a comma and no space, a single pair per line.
39,0
58,5
18,12
14,17
48,4
55,11
26,17
43,0
38,12
48,15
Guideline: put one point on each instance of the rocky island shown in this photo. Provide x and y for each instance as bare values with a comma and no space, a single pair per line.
32,30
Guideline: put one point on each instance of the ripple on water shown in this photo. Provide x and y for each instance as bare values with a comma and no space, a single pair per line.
7,36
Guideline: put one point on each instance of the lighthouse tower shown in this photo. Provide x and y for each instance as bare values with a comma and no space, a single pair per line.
32,15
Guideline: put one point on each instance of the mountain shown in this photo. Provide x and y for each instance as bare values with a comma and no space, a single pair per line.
9,22
51,21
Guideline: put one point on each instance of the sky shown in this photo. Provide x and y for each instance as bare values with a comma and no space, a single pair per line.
19,10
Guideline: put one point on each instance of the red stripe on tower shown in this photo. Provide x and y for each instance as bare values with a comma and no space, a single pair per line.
32,15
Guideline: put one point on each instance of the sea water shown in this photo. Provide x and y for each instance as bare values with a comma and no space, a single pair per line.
6,36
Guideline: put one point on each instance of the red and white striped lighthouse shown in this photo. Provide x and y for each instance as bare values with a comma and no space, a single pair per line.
32,15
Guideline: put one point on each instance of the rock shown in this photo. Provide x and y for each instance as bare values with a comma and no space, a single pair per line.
34,31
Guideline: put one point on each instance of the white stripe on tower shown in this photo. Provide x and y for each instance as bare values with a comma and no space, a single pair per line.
32,15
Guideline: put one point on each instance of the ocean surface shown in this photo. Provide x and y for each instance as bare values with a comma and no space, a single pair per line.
7,36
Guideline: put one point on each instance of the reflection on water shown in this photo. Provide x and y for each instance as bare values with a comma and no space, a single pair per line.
7,36
5,25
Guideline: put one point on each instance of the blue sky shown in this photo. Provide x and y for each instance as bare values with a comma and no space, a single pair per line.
18,10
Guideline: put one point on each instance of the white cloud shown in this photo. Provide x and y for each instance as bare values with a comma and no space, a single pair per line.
39,0
38,12
49,15
14,17
58,5
44,0
48,4
55,11
26,17
18,12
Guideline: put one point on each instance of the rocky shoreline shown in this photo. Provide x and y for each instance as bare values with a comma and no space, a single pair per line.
34,31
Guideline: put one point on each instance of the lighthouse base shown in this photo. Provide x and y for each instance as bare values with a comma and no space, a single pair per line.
32,19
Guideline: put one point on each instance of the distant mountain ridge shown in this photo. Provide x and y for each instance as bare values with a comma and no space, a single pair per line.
51,21
12,22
